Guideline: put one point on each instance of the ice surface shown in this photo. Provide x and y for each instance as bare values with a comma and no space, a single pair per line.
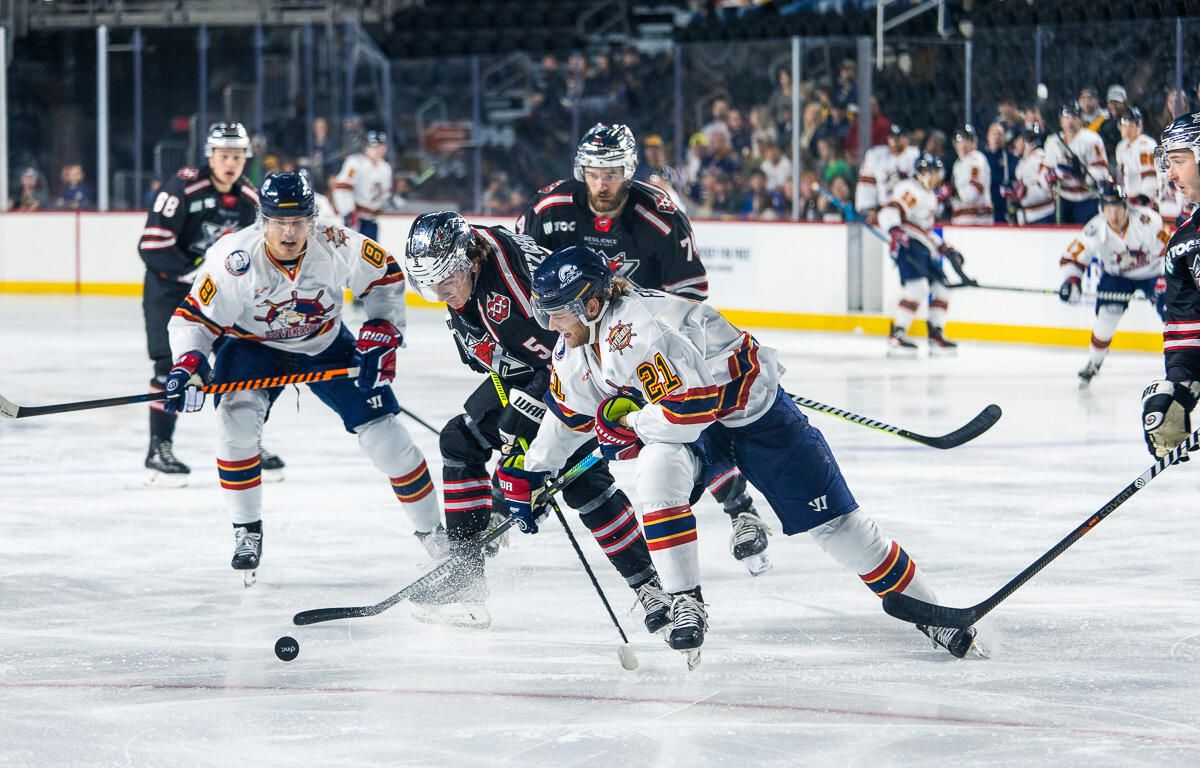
125,639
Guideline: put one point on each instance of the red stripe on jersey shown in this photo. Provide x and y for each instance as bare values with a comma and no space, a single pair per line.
510,278
654,220
551,201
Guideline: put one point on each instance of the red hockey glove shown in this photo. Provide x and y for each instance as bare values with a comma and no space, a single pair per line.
375,354
617,441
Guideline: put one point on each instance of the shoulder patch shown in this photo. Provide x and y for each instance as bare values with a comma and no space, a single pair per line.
336,236
373,253
1090,229
664,203
550,187
237,263
208,290
620,337
188,174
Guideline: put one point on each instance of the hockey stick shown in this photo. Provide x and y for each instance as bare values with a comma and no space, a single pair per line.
916,611
982,422
442,569
420,421
1101,295
14,411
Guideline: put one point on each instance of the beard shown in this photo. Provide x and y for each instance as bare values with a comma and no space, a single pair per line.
610,205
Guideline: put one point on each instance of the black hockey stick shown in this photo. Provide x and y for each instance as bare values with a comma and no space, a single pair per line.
14,411
916,611
1101,295
420,421
964,434
442,569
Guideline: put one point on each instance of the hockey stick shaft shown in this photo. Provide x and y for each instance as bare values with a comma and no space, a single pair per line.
420,421
442,568
588,568
982,422
1101,295
14,411
920,612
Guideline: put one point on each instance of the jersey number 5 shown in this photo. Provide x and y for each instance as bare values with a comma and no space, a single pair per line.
658,380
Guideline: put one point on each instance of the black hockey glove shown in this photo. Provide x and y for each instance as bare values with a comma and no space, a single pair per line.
1166,414
1069,291
520,419
956,261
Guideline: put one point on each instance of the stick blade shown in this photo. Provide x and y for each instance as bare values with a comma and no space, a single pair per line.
984,421
9,409
917,611
318,615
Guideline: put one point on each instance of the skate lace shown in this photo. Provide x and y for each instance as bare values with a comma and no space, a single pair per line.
653,598
943,636
746,527
687,612
167,453
246,543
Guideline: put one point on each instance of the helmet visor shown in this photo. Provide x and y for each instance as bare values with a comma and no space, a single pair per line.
543,311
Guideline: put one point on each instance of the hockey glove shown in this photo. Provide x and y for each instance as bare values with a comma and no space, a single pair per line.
520,419
375,354
899,242
1070,291
956,260
184,381
523,492
1166,414
618,442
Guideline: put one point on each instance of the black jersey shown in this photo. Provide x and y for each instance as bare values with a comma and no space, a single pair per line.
1181,337
187,217
496,330
650,242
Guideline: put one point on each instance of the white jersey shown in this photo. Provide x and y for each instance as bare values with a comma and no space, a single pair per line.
690,365
972,178
1088,149
325,209
1135,167
1037,196
363,186
880,172
242,291
1136,255
912,208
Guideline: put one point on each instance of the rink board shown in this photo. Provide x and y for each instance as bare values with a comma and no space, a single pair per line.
762,274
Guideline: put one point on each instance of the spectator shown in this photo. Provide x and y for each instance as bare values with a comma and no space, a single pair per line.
697,159
152,192
812,120
1110,129
718,124
496,197
776,166
1002,165
847,87
757,198
781,97
32,195
830,161
721,155
840,188
75,195
739,132
1007,112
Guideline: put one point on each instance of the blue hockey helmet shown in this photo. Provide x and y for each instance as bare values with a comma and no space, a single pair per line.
1112,193
286,196
928,163
436,250
566,280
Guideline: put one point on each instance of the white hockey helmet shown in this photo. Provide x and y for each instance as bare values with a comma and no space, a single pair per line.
607,146
227,136
436,250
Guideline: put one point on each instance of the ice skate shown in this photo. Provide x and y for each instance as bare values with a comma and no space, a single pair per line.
272,465
435,542
899,345
939,345
166,471
247,551
748,541
961,643
1087,373
689,622
657,605
458,598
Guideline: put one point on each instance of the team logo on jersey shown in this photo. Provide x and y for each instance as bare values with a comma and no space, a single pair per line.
568,272
664,203
620,337
208,290
602,223
1196,271
550,187
237,263
484,350
550,227
294,318
188,174
335,236
211,232
619,264
497,307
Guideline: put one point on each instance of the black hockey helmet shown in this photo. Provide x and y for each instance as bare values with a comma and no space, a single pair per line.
896,131
1132,115
966,133
286,196
1112,193
607,146
566,280
928,163
436,250
1070,108
1182,133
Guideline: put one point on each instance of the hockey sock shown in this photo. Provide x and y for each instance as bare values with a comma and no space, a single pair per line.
241,480
467,495
671,539
854,541
939,302
390,448
1102,332
616,529
254,527
729,488
162,424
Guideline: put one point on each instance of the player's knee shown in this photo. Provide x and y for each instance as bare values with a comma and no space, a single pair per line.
852,539
458,442
667,474
592,496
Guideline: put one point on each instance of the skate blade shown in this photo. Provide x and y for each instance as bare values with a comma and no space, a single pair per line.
978,651
462,615
756,565
1084,383
156,479
272,475
692,657
939,352
902,354
249,578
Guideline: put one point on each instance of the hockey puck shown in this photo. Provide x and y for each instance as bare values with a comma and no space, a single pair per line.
286,648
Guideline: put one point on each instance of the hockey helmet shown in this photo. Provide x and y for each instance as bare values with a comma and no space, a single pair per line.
607,146
1182,133
896,131
1112,193
566,280
287,196
966,133
436,250
1070,108
227,136
1132,115
928,163
375,138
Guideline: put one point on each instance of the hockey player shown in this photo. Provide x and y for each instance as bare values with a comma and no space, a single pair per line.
1078,165
972,201
882,168
276,290
363,187
483,274
193,209
1030,194
918,251
1135,161
1167,403
672,384
649,241
1127,241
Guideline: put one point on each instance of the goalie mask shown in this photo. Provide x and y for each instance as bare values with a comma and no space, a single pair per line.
607,146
